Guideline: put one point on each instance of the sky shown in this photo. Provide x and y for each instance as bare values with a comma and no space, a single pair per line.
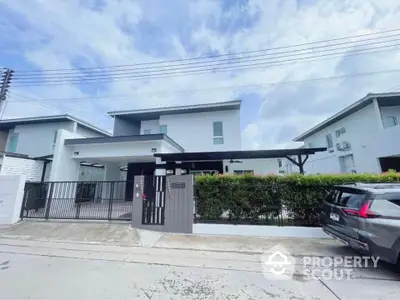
74,34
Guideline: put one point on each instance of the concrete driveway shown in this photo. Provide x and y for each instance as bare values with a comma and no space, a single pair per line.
118,262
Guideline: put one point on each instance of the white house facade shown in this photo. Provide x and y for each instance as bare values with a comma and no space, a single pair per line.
139,135
362,138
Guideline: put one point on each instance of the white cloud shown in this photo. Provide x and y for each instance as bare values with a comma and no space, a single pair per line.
65,34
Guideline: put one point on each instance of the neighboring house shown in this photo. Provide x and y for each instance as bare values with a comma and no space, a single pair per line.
36,136
27,145
363,137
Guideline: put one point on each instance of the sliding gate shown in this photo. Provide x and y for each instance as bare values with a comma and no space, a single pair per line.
97,200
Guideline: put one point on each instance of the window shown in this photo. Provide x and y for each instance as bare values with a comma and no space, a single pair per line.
54,140
13,142
218,133
146,131
243,172
279,163
310,145
163,129
390,121
351,200
329,141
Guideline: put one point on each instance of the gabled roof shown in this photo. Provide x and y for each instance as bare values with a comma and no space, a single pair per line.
384,99
154,113
10,123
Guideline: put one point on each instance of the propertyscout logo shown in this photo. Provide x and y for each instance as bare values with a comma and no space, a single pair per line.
279,264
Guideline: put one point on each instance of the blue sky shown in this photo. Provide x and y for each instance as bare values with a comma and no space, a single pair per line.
38,34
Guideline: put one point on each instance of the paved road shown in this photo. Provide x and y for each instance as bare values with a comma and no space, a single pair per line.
32,269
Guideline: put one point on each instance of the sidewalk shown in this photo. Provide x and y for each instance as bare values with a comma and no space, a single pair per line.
120,234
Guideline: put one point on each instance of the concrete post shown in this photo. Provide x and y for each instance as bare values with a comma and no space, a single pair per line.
112,173
11,198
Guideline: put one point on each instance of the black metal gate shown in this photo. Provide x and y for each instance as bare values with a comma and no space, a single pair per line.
153,210
97,200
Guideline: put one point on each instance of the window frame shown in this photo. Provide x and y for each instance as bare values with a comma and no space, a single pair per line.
13,135
243,172
393,118
329,141
218,139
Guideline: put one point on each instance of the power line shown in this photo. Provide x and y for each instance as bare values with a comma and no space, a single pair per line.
243,86
204,71
231,60
213,56
26,99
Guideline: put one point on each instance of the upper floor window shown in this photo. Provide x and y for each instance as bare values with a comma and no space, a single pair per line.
218,133
279,163
390,121
310,145
329,141
54,140
163,129
13,142
146,131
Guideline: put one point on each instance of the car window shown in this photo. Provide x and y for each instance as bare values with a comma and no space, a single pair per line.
331,198
350,200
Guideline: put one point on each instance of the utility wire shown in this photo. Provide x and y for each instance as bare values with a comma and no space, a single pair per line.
26,99
310,80
231,60
213,56
201,71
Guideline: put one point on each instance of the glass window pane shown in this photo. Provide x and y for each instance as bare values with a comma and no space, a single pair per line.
55,137
329,141
218,141
391,121
12,144
217,129
163,129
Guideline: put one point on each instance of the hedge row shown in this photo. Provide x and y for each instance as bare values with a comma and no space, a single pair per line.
254,199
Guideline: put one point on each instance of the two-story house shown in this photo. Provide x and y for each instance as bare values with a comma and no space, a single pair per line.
24,140
363,137
207,134
36,136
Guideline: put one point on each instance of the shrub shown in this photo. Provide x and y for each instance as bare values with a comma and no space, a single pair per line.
261,198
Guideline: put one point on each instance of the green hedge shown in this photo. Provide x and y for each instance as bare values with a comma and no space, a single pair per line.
256,199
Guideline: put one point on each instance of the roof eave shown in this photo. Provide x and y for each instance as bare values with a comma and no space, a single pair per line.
235,104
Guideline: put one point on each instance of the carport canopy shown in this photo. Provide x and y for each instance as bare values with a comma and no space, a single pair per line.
302,155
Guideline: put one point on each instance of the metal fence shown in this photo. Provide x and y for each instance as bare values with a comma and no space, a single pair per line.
259,204
97,200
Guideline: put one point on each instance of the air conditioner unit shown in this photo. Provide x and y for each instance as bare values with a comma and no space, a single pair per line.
346,146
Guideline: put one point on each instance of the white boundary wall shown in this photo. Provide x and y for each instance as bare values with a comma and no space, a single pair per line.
259,230
11,195
30,168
